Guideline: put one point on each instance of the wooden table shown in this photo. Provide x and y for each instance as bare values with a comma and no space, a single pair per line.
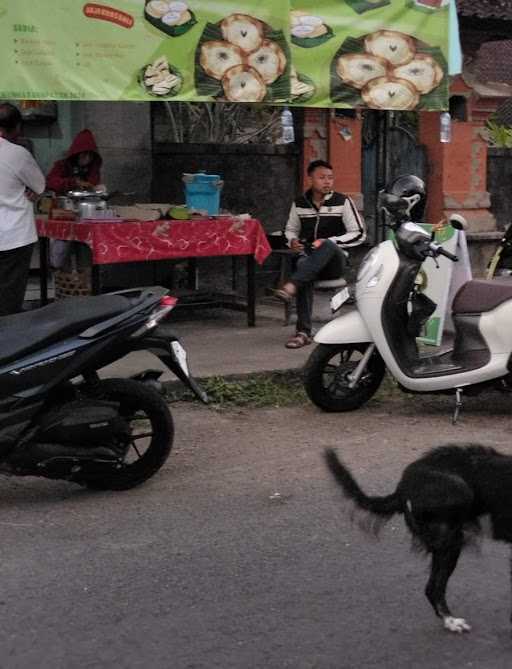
141,241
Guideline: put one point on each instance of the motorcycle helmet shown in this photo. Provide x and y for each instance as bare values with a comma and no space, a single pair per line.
404,198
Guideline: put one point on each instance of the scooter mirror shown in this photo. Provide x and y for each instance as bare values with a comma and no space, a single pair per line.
458,222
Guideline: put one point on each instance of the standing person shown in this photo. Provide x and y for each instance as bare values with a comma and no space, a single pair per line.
321,224
21,181
80,169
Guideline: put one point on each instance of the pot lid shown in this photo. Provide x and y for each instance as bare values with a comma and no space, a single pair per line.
87,194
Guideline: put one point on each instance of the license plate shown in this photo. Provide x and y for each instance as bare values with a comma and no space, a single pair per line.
180,355
339,299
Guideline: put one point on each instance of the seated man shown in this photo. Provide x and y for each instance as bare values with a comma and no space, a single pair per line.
320,225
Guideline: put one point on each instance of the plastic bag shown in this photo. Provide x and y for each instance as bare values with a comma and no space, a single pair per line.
60,252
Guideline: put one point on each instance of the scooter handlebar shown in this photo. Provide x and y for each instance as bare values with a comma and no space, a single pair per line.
446,254
437,250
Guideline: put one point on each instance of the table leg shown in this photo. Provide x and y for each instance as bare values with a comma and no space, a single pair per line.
43,270
192,274
234,273
95,280
251,291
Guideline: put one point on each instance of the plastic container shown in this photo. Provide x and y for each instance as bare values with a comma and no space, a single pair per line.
445,134
287,130
202,192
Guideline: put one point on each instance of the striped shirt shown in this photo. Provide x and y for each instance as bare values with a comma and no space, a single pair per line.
337,219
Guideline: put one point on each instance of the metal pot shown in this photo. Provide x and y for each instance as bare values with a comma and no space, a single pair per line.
62,202
88,194
89,209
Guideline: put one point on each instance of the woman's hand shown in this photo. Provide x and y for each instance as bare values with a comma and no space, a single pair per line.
86,185
318,243
296,246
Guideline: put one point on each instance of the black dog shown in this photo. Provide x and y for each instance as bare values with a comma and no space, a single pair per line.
443,495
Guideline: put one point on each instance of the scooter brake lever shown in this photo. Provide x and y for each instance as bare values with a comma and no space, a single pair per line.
433,252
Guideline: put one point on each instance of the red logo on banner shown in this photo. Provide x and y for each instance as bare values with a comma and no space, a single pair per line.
95,11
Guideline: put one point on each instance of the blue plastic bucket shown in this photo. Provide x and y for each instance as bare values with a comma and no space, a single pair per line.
202,191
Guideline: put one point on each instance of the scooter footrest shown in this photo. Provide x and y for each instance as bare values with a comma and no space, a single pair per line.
425,368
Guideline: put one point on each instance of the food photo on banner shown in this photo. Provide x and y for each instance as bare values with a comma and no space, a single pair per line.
381,54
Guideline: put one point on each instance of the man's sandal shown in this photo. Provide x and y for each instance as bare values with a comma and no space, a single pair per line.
298,340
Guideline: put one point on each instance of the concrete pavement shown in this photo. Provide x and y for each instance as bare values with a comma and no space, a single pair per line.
219,343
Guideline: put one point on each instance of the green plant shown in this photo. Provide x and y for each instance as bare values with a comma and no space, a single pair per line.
264,389
257,390
499,136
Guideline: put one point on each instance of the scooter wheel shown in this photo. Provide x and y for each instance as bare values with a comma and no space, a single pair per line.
151,433
326,376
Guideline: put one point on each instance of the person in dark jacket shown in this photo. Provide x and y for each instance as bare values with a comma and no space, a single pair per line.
321,224
80,169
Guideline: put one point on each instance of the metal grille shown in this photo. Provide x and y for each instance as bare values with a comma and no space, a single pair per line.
504,113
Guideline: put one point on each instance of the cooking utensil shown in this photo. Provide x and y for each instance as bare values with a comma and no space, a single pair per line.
87,195
63,202
90,209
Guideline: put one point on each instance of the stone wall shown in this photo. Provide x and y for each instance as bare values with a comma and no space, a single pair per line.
316,138
123,134
261,180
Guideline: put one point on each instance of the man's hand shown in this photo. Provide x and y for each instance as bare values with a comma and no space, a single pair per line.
318,243
30,195
296,246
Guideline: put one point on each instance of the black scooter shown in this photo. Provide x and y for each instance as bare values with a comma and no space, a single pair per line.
58,419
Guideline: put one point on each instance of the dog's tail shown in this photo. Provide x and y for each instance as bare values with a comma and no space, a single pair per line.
381,506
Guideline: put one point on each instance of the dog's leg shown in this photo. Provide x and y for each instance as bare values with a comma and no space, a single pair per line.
443,563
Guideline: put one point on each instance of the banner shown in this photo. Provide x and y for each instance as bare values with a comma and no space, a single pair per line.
380,54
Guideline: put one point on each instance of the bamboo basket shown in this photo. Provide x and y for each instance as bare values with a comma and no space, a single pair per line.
72,283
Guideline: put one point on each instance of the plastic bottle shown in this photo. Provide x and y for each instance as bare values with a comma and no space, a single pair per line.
445,128
288,133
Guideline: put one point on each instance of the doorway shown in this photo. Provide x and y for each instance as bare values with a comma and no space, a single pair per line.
390,148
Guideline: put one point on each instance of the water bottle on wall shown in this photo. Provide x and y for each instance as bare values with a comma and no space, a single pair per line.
445,128
287,131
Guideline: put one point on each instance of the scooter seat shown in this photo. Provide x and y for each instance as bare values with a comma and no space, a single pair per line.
476,297
21,334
